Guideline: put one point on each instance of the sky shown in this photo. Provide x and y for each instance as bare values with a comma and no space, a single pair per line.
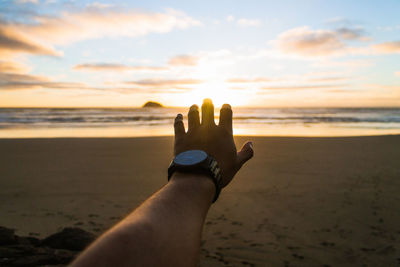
247,53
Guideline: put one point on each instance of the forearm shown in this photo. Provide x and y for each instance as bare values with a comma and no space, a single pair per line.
165,230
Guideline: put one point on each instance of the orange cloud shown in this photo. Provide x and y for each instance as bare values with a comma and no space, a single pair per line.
12,42
246,80
164,83
304,41
12,67
328,79
39,37
388,47
116,67
302,87
183,60
13,81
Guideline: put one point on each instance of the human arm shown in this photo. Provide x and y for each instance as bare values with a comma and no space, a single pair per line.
166,229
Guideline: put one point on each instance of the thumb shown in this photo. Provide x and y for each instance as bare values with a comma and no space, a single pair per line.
244,154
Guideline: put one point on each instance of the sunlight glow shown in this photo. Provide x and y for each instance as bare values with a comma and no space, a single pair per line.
218,93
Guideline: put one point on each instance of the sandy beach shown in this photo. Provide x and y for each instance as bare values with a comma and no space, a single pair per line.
298,202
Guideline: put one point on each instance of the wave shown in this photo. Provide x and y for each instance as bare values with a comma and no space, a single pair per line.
14,117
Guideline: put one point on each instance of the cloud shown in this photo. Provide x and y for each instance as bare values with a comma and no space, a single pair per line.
27,1
47,31
12,81
352,33
230,18
348,64
165,83
387,47
12,67
247,80
116,67
248,22
328,79
338,20
183,60
14,77
97,5
16,81
388,28
72,27
305,41
302,87
12,42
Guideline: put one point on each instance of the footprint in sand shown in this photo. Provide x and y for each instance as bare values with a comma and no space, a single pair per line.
367,249
297,256
233,235
327,244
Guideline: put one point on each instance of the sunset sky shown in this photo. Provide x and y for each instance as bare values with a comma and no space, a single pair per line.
247,53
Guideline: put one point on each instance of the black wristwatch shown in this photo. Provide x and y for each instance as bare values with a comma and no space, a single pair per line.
197,161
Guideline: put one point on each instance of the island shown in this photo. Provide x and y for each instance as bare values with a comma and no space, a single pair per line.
151,104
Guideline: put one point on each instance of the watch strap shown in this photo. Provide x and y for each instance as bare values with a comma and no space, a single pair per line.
209,167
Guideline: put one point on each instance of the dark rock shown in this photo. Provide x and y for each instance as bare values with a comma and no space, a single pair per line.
57,249
69,238
7,236
28,240
26,255
151,104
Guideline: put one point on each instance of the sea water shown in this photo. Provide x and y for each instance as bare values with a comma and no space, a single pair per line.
125,122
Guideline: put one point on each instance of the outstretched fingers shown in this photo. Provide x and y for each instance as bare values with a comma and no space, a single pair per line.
225,117
193,118
178,126
207,113
244,154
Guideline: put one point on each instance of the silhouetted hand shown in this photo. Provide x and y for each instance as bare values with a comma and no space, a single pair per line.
216,140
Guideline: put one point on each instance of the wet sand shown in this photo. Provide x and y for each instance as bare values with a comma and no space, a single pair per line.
298,202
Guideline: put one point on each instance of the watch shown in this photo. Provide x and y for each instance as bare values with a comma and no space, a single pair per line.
197,161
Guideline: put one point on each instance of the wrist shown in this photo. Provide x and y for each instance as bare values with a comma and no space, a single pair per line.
196,184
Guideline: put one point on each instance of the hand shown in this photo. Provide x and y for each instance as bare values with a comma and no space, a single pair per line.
216,140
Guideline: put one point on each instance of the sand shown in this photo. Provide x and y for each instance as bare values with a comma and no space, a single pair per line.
299,202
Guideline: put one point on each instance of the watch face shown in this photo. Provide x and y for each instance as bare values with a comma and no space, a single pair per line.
190,157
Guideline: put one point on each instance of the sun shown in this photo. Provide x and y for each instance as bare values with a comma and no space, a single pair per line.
213,85
218,92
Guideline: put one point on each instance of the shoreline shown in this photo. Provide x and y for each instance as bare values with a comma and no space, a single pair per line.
171,136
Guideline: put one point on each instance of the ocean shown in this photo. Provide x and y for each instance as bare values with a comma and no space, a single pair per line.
126,122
